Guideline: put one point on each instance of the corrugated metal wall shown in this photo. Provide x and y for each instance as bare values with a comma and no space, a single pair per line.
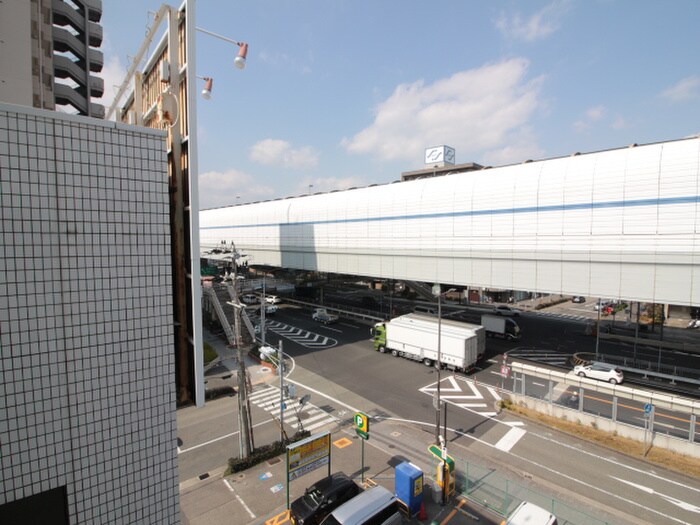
619,223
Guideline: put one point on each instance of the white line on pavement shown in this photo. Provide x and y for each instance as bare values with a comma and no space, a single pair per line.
510,439
240,500
182,451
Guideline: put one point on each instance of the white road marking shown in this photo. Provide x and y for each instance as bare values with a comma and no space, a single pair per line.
240,500
510,439
225,436
675,501
493,393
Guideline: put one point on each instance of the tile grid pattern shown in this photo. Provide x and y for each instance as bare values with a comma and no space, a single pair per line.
87,395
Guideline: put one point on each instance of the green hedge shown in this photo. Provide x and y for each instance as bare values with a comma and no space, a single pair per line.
213,393
261,454
209,353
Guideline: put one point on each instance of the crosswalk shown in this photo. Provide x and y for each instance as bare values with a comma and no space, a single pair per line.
307,416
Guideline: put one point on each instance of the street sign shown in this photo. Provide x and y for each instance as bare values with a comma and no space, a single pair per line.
362,425
648,408
505,371
362,422
438,452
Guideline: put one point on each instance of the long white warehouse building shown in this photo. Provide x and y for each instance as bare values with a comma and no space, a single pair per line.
620,223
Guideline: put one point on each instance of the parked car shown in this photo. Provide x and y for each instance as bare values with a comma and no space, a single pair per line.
322,498
602,371
578,299
272,299
506,310
374,506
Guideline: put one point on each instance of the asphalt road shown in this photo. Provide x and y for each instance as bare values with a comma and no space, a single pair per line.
328,362
404,389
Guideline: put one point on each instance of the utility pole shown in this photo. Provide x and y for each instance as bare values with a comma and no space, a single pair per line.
245,427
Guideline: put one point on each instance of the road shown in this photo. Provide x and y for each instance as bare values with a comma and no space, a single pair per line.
330,361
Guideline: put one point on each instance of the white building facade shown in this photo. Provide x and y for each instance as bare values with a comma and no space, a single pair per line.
87,390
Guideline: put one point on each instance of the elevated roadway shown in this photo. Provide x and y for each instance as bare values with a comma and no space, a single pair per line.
620,223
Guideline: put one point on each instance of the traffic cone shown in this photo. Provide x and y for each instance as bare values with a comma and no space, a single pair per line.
422,515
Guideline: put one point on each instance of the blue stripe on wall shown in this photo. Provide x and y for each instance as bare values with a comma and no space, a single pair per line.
477,213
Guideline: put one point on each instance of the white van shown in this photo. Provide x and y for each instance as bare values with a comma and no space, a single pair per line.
530,514
376,506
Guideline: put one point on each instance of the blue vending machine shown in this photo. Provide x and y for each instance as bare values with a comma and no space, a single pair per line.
409,486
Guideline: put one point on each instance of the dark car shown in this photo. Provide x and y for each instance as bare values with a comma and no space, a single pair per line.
506,310
578,299
322,498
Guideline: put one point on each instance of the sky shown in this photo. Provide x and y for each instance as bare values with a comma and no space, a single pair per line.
339,94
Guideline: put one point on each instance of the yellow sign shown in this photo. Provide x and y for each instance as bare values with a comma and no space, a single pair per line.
308,454
418,486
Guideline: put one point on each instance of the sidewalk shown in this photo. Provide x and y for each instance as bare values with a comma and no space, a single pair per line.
259,495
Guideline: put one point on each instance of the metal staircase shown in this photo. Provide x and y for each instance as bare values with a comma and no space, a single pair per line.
210,292
422,290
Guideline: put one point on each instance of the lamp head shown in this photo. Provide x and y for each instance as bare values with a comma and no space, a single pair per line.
209,84
239,61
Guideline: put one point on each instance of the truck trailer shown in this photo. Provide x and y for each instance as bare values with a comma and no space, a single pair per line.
497,326
415,336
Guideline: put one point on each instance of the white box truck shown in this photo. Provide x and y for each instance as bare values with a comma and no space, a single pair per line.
415,336
497,326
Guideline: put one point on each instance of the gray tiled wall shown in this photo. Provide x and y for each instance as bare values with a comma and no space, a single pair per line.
87,382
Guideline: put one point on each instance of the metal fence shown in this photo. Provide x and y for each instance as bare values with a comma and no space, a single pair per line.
674,416
493,490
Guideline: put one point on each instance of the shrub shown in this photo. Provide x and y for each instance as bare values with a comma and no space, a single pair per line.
209,353
261,454
213,393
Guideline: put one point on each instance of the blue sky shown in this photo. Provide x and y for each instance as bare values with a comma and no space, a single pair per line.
341,93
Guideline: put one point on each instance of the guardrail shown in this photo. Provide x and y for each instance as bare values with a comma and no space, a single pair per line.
344,311
649,341
660,399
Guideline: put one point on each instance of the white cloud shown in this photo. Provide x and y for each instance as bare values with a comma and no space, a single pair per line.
320,184
113,73
538,26
685,89
472,111
591,116
521,147
230,187
595,113
273,152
